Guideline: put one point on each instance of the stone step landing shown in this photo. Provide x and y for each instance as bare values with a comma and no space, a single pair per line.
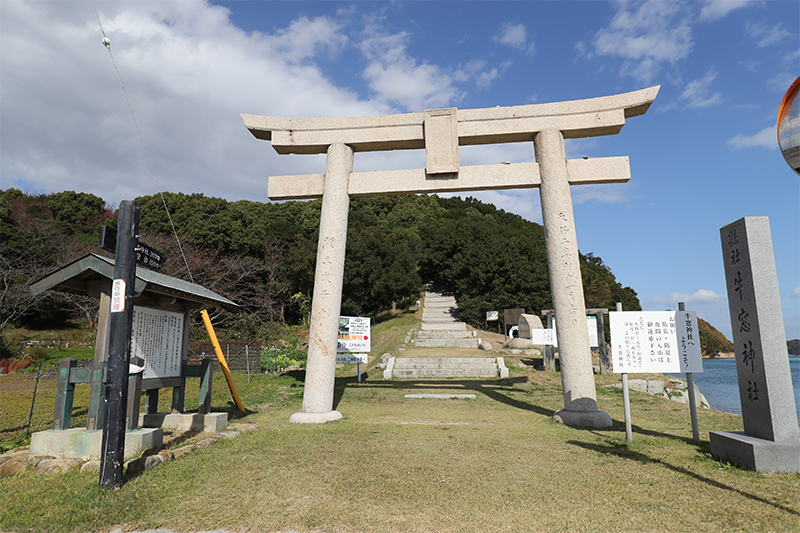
441,338
444,367
448,342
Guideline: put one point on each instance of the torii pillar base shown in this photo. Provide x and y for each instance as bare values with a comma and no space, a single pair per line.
302,417
584,419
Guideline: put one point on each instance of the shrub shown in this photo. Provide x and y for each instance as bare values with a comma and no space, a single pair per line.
274,359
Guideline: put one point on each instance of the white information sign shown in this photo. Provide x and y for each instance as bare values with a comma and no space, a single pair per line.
351,358
157,337
591,326
492,315
655,341
354,335
545,337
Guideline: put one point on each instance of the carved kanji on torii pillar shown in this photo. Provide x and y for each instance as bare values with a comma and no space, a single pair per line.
440,132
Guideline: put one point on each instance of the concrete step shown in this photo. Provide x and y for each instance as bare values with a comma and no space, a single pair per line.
443,326
444,362
438,304
447,343
459,373
439,318
445,367
432,334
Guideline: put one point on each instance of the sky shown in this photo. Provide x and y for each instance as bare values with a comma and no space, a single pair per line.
704,155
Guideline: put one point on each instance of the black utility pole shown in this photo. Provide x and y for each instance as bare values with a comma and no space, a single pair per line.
119,346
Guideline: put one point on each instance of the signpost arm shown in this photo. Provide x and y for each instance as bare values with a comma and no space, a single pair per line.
119,349
692,399
626,399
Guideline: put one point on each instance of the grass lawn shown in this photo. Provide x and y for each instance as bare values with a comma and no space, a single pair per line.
496,463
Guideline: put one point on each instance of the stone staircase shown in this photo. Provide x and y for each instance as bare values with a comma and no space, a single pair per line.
441,328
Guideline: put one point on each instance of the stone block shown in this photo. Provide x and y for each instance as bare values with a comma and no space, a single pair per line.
91,467
20,463
183,450
502,368
639,385
441,396
756,454
527,323
655,387
206,423
80,442
518,344
387,374
143,464
56,466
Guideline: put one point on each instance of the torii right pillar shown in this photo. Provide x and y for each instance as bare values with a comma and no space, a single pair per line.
577,378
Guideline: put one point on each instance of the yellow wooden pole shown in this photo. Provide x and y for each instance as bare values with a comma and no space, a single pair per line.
221,358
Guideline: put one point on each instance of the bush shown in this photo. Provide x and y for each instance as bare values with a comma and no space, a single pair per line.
274,359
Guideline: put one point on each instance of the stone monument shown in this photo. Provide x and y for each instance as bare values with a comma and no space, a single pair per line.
440,132
771,440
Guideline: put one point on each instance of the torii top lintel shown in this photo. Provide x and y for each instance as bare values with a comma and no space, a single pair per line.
440,132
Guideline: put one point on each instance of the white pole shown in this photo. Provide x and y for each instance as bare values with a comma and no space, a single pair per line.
692,399
626,399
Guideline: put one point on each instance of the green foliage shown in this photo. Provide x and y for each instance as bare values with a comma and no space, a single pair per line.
263,255
712,342
793,346
274,359
76,210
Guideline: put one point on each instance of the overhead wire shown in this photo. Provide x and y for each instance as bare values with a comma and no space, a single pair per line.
107,43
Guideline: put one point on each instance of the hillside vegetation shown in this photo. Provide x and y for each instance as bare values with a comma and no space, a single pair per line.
262,256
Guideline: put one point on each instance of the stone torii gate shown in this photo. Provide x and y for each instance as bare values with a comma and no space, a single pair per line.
440,132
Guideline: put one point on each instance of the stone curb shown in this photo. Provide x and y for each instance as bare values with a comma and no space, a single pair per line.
18,460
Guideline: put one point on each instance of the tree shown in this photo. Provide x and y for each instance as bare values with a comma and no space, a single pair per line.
712,342
75,211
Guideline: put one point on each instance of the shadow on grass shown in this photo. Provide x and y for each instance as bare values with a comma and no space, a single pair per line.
625,453
619,427
497,390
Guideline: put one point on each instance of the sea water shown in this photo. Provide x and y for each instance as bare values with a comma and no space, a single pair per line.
719,384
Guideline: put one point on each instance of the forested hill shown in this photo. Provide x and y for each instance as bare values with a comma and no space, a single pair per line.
262,255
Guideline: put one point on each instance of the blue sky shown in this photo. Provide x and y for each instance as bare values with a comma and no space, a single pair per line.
704,155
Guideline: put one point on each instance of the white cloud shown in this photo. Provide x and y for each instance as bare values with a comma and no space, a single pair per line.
397,79
767,35
766,138
696,94
795,293
716,9
702,297
477,69
516,36
646,34
188,73
781,82
305,38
